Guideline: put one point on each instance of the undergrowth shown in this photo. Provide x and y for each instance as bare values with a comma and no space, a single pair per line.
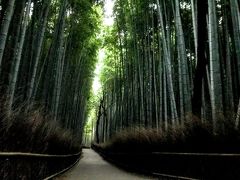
194,136
27,129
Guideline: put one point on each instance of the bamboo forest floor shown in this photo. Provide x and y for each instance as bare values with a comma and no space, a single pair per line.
92,167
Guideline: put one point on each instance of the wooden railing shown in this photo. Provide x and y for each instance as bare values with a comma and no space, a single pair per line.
19,165
178,165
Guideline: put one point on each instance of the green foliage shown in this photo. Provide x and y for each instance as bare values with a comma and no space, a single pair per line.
159,63
68,56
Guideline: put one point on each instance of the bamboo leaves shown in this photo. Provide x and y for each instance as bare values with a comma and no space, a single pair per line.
178,59
44,45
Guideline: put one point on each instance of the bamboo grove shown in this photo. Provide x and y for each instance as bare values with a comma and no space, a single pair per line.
168,61
48,52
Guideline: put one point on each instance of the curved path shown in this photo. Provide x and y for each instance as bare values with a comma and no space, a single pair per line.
93,167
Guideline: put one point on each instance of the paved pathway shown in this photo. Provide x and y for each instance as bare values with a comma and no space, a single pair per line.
93,167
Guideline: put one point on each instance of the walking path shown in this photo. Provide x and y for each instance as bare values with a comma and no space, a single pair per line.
94,167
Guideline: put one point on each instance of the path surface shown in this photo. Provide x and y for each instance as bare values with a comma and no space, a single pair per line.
93,167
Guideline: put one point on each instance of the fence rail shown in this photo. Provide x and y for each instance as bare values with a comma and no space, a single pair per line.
178,165
22,154
54,164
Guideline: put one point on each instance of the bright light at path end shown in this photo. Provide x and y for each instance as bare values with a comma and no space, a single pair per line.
96,87
108,13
